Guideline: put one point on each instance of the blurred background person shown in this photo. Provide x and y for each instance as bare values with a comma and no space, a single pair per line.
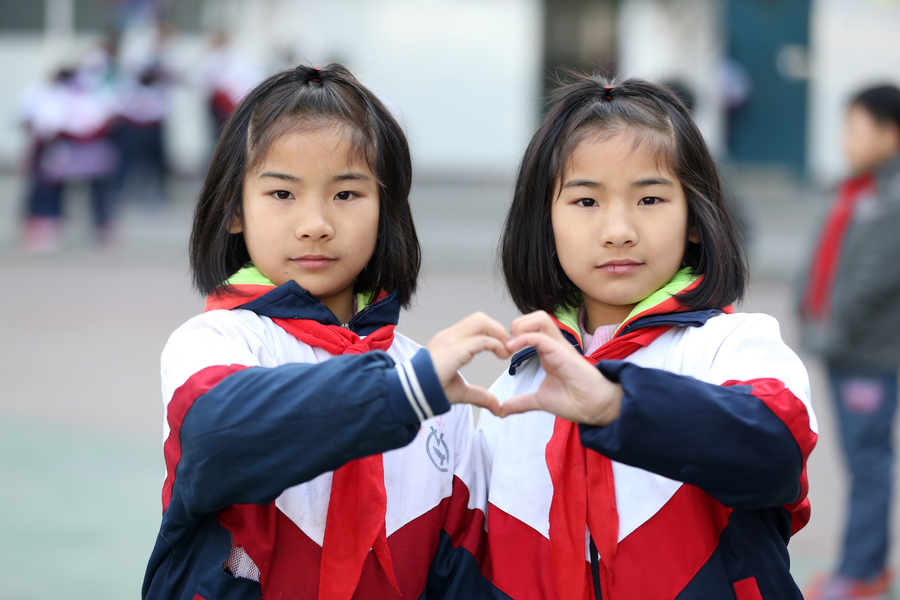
143,103
69,122
851,318
226,77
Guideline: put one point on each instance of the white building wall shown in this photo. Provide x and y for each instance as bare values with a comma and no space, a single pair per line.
464,75
663,40
854,44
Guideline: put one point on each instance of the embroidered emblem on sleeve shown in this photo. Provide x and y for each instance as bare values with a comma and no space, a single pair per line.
437,450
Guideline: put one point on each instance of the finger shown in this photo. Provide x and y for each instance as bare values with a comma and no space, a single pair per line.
519,404
538,321
481,324
448,359
478,396
473,345
454,389
540,341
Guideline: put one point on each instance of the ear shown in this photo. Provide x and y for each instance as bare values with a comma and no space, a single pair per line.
893,138
694,235
235,226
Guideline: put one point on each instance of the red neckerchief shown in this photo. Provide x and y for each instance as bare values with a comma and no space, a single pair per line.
584,493
824,265
356,509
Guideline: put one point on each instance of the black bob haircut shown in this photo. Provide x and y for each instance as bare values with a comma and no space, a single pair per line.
882,102
296,100
591,107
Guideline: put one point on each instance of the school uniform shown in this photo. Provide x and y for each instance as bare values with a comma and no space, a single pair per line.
69,121
692,493
306,459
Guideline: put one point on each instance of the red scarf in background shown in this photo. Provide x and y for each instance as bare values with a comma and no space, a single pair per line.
584,493
824,265
356,509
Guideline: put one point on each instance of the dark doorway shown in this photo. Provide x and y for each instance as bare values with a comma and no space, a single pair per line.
767,44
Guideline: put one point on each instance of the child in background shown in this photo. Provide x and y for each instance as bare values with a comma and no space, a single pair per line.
311,451
676,467
69,122
850,317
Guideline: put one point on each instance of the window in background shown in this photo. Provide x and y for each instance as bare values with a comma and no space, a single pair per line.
105,15
95,15
26,16
185,15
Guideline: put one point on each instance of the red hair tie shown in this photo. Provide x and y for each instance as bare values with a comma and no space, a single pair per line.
608,95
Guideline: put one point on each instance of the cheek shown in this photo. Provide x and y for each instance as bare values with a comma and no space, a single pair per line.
365,233
559,234
678,245
568,250
372,223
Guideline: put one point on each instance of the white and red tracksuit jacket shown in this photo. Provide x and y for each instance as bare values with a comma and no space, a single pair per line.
257,424
708,464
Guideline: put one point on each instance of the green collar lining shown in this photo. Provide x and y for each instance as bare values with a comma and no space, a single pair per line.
568,315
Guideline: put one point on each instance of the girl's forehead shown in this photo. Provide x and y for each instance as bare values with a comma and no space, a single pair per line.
621,144
284,139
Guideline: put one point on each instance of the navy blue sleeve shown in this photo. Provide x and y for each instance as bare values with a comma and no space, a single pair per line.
723,439
261,430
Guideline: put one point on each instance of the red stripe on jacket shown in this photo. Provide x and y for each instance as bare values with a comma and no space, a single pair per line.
522,566
660,558
182,400
654,562
793,413
289,561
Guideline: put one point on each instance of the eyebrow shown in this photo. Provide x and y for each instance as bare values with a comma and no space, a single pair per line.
598,185
350,176
282,176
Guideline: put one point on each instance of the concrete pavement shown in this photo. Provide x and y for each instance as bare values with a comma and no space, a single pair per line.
80,411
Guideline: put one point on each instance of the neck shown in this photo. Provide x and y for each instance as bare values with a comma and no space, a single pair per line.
599,315
340,304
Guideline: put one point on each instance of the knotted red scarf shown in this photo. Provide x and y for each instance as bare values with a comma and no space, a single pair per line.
824,265
356,509
584,494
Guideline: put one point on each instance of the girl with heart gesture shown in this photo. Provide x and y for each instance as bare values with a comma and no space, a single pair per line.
312,451
670,463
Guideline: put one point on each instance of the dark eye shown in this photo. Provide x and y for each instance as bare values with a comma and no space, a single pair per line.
649,201
586,202
282,194
345,195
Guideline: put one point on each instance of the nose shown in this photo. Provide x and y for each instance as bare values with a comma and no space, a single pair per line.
315,222
618,227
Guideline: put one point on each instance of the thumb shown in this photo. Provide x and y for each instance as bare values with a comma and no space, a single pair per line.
478,396
519,404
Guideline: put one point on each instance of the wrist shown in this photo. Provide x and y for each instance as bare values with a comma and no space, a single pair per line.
416,392
609,410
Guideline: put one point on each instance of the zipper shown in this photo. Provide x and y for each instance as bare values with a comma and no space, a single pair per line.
595,570
349,324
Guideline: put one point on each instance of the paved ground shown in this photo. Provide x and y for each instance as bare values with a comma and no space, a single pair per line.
81,332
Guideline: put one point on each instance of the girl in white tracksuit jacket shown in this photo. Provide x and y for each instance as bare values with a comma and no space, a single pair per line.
311,452
676,467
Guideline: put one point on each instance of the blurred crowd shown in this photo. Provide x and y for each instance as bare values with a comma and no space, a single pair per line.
99,123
